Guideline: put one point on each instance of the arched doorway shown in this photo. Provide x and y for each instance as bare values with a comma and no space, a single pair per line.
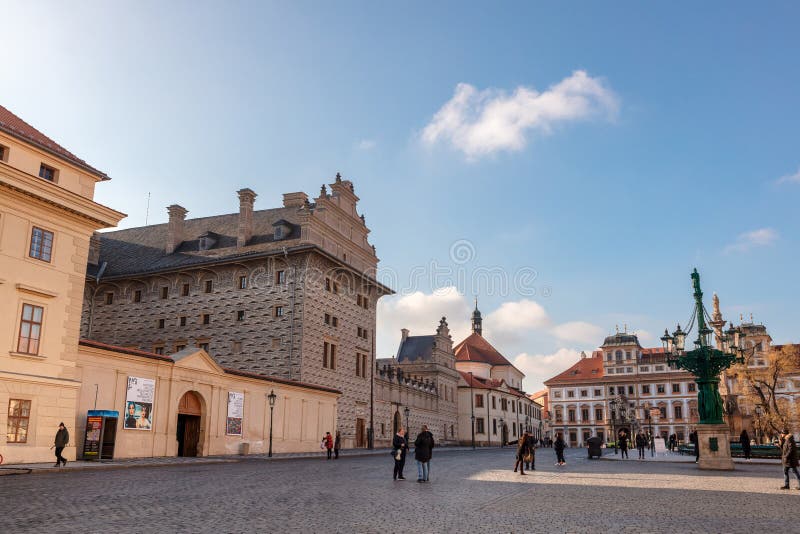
190,413
398,421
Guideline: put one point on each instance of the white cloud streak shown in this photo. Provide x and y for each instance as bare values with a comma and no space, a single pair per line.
366,144
483,122
790,178
749,240
541,367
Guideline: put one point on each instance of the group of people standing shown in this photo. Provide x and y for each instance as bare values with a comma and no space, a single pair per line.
331,444
526,453
423,451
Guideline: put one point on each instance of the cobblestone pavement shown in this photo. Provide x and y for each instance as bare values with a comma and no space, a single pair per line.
469,492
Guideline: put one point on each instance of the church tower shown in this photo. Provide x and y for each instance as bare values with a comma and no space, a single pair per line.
477,322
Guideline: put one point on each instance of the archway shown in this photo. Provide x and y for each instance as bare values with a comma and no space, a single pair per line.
190,414
398,421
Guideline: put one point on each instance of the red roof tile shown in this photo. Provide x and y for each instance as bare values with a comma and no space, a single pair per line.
489,383
17,127
476,349
585,369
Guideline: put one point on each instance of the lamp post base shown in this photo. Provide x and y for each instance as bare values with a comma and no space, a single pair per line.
715,448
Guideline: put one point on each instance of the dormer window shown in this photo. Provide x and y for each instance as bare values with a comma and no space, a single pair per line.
281,229
278,232
47,172
207,241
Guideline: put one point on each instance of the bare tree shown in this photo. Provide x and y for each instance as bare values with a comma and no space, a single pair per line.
763,387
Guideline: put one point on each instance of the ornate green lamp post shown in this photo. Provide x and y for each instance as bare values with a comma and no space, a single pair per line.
706,363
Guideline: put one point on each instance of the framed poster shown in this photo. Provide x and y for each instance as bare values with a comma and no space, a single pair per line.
139,403
233,425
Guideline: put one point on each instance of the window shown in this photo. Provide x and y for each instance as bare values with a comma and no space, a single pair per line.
479,426
678,411
203,346
598,392
336,287
47,172
659,368
3,153
571,415
206,318
276,342
478,401
158,350
240,315
41,244
660,389
185,290
30,329
630,390
334,321
662,412
570,393
618,355
557,394
494,426
598,414
109,298
644,369
611,390
280,277
646,389
278,312
327,318
137,295
585,414
627,355
691,387
329,355
164,292
209,286
611,370
584,393
494,403
242,282
161,323
237,347
676,388
327,284
629,369
361,365
608,356
182,320
19,413
358,300
179,348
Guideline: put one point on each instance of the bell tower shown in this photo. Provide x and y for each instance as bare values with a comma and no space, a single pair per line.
477,322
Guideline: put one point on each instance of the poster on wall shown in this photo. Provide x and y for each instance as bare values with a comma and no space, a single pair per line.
233,426
139,403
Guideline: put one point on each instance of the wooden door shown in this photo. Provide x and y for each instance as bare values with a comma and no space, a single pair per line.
191,435
361,433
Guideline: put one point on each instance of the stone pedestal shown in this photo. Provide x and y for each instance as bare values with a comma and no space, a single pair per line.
715,447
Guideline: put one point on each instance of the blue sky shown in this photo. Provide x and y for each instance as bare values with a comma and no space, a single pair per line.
609,147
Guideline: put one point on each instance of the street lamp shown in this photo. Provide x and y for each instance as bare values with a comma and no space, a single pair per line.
613,404
472,409
502,434
271,397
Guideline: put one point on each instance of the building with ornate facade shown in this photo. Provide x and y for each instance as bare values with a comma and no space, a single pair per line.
621,386
288,291
492,406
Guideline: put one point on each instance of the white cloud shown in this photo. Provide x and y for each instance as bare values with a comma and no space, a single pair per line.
756,238
420,313
366,144
541,367
513,320
579,331
480,123
790,178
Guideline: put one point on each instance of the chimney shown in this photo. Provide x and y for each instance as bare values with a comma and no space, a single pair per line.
294,200
404,334
94,249
177,217
246,200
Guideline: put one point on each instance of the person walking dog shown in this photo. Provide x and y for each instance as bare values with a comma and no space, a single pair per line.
61,441
423,451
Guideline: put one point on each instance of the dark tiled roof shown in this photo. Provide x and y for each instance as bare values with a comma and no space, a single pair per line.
476,349
143,249
621,339
416,348
17,127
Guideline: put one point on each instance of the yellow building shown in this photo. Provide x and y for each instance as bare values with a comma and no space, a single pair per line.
185,404
47,217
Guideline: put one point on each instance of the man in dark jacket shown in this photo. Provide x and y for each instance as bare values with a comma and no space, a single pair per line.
789,458
623,444
641,442
423,450
399,448
696,443
559,448
744,441
62,440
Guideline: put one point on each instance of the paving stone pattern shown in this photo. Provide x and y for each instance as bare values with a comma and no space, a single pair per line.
469,492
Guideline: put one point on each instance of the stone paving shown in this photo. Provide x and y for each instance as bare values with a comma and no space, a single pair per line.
469,492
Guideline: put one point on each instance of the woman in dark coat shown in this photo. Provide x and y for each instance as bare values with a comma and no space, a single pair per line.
744,440
399,448
559,447
522,450
789,458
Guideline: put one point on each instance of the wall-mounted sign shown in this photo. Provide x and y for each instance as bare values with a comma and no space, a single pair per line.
233,426
139,403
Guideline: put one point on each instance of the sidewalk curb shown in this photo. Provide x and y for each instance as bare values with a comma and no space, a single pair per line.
753,462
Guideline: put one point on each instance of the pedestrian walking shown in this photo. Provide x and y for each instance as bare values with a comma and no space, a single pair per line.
789,458
623,444
744,440
559,445
61,440
399,448
673,442
423,451
695,441
328,440
652,445
522,451
337,443
641,440
530,457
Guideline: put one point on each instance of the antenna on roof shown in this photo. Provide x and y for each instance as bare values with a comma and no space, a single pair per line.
147,211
